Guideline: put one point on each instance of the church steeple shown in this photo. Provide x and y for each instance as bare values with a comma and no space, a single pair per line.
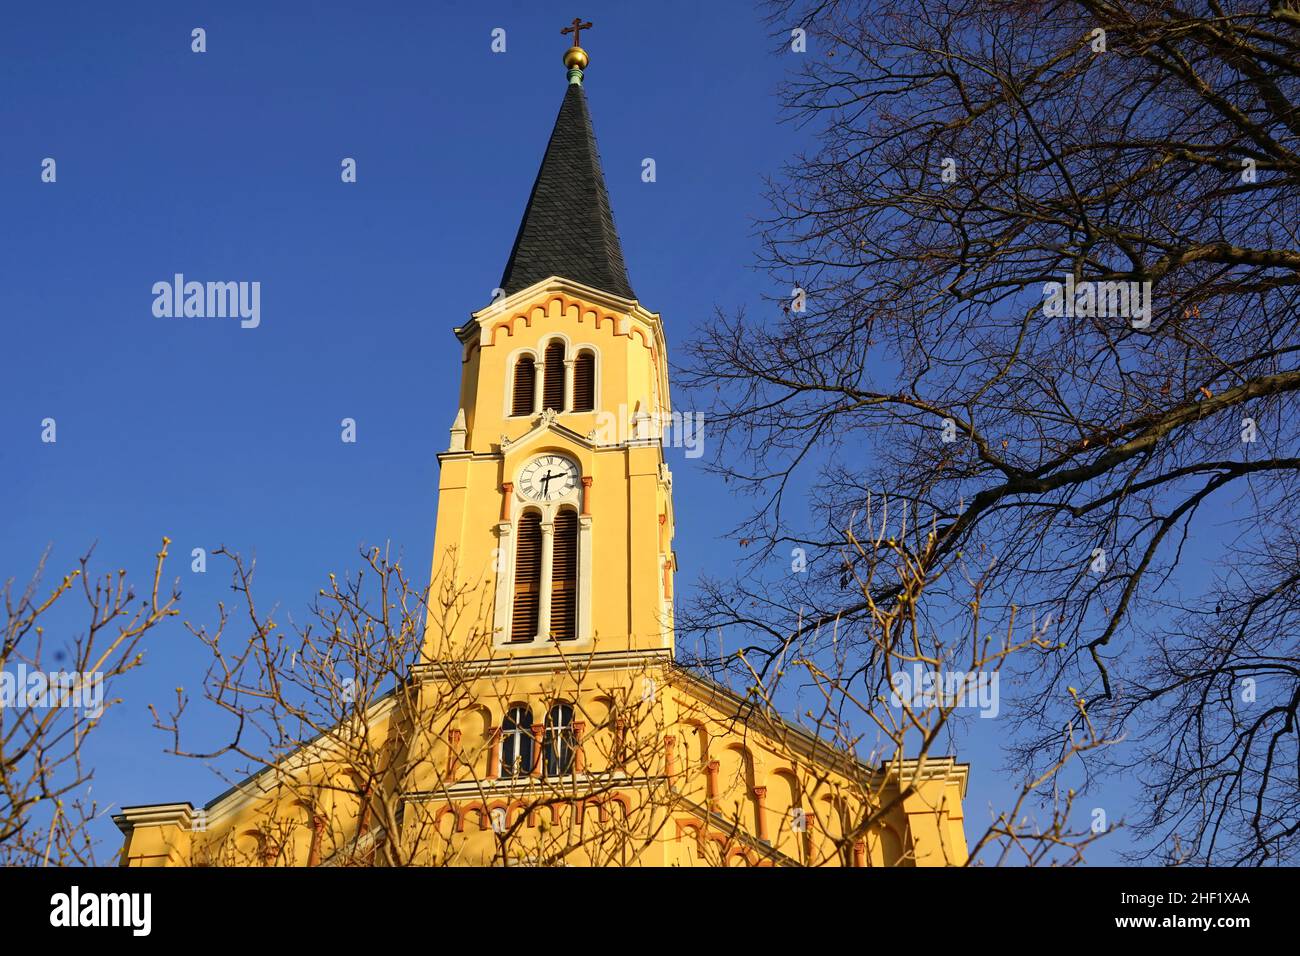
568,225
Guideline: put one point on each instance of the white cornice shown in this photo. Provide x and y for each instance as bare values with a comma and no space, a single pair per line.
155,815
545,426
510,666
572,784
569,287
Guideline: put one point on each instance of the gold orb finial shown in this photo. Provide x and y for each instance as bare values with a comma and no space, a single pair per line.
575,57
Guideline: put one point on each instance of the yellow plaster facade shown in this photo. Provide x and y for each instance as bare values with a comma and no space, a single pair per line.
624,495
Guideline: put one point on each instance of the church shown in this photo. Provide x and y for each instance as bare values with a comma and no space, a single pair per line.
545,722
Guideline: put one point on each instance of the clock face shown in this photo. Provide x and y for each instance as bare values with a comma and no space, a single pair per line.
548,478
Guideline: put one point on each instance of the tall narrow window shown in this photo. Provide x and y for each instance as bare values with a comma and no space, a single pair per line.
524,387
517,742
553,377
528,578
564,577
584,383
558,750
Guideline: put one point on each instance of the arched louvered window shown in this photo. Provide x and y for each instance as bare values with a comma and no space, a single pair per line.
564,576
559,743
528,578
584,382
517,742
525,386
553,377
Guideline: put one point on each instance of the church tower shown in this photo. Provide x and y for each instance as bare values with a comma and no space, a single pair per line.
544,722
554,491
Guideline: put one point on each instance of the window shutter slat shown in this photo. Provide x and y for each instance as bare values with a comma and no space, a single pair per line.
528,578
564,577
553,377
584,383
524,386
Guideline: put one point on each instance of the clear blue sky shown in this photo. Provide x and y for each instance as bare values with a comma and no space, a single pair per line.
225,166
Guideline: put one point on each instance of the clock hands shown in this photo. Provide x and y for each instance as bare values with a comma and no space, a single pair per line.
546,480
541,476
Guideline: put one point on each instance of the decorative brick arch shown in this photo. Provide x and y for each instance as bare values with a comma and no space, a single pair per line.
509,326
581,808
692,826
739,852
484,820
722,842
601,803
517,808
568,307
701,732
689,825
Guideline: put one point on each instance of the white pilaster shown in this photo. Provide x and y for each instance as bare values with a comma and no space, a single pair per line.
544,600
569,364
504,566
584,578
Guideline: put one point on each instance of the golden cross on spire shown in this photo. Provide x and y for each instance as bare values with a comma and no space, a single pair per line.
576,29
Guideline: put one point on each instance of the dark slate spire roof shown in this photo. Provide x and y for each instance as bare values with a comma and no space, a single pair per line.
568,226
